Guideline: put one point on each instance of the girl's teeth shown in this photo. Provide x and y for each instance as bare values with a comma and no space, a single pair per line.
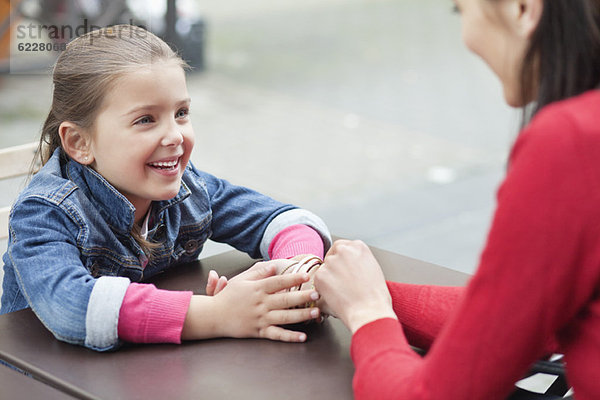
169,164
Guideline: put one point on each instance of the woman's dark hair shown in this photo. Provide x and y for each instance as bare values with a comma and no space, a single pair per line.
563,59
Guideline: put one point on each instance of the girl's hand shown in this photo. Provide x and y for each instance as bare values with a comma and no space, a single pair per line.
252,304
215,283
352,285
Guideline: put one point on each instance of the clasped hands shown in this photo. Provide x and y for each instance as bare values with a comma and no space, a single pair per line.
349,284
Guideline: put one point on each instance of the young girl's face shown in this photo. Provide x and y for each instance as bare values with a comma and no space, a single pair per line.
499,32
142,138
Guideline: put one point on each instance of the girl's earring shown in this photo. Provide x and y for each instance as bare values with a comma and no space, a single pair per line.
85,159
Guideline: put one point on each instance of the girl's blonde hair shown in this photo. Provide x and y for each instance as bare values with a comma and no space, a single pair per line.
85,71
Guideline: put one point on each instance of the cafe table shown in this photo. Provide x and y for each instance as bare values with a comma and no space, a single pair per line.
15,385
224,368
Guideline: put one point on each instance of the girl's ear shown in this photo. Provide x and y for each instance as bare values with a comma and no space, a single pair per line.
529,15
76,142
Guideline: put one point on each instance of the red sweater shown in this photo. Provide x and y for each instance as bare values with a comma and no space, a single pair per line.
538,281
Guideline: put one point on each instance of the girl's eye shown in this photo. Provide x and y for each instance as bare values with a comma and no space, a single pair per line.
182,113
144,120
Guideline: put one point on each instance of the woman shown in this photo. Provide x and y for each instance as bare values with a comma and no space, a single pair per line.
537,288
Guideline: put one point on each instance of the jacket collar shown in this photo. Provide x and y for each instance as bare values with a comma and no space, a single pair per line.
112,206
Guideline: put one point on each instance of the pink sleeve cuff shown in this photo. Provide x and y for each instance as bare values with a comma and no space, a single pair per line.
295,240
151,315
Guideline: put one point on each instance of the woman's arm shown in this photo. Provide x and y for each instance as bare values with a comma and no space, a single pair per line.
423,309
538,270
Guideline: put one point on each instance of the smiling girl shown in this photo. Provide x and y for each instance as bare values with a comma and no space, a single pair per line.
117,201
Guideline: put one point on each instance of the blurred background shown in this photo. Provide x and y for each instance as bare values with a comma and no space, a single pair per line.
370,113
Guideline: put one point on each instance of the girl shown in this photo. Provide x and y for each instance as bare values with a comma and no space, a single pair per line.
117,201
537,288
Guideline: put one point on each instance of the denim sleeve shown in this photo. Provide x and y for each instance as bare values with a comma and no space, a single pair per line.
248,220
44,254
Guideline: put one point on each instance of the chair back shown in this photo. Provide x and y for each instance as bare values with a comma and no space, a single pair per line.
14,162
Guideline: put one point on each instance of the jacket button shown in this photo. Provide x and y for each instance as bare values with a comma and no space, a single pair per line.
94,270
191,246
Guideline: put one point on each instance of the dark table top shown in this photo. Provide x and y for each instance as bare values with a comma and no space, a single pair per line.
321,368
15,385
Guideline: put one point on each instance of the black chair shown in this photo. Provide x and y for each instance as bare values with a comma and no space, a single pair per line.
557,390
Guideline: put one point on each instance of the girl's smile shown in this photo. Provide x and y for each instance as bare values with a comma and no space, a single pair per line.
167,167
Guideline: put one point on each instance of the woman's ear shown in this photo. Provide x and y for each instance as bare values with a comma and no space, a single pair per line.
76,142
530,13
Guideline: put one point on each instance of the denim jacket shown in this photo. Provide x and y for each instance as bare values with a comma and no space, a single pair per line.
71,256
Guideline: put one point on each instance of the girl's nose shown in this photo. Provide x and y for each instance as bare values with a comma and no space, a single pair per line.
173,137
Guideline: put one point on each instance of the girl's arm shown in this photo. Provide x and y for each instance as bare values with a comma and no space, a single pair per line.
292,241
252,305
44,258
295,240
243,218
538,270
150,315
250,221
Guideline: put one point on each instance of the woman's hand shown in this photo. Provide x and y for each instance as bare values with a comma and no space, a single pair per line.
352,285
252,304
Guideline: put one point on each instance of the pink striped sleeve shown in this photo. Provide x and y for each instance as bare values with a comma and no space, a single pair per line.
151,315
295,240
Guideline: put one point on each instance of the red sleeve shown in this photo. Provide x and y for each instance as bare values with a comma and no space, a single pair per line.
545,227
423,309
296,240
151,315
